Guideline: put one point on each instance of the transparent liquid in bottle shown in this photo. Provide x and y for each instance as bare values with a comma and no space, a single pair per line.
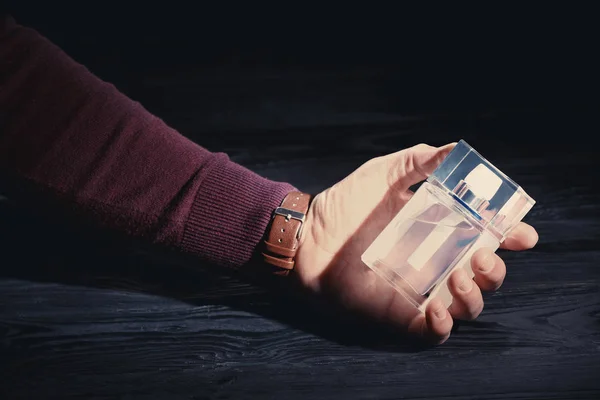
464,205
434,239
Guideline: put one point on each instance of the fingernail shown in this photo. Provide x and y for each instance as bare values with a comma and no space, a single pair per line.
464,282
440,311
487,262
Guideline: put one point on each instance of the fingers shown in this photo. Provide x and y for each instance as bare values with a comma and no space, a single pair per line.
467,302
522,237
439,322
435,325
489,269
489,273
412,165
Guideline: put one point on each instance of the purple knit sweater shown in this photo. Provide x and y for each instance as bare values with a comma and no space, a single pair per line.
68,133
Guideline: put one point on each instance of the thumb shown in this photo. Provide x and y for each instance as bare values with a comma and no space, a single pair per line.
411,166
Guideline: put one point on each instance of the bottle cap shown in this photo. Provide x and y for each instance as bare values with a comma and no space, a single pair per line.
490,196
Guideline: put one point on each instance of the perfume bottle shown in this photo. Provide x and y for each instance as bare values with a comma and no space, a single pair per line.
465,204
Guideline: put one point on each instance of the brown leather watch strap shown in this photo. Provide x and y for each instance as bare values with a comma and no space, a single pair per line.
281,242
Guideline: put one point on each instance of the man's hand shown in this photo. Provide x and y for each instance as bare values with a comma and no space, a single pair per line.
346,218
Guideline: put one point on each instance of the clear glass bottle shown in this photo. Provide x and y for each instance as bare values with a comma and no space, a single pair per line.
464,205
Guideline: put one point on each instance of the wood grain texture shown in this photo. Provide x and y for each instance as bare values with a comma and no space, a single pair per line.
84,314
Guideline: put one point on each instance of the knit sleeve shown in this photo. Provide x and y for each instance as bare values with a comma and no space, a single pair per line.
68,133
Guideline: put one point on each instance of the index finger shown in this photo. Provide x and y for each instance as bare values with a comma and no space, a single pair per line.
522,237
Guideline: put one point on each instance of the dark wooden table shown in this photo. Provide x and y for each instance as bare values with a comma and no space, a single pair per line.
82,313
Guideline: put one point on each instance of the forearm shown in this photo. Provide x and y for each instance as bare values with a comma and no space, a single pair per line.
78,138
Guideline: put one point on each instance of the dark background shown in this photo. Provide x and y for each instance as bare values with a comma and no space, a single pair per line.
305,94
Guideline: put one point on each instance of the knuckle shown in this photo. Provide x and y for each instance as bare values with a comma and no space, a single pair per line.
421,146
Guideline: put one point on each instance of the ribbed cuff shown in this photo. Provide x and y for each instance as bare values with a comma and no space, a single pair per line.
230,213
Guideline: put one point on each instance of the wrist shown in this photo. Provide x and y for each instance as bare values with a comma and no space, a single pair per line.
304,271
284,232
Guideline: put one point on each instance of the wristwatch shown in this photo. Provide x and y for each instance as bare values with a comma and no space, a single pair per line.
283,233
